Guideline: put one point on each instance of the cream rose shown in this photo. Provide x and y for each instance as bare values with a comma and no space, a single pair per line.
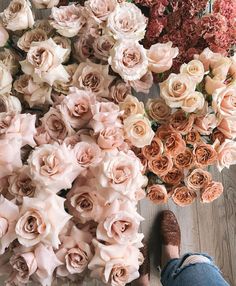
41,219
193,102
9,103
43,62
195,69
53,167
3,36
129,59
45,4
226,154
34,35
176,89
18,15
130,106
160,57
138,130
9,213
127,22
102,46
5,79
68,20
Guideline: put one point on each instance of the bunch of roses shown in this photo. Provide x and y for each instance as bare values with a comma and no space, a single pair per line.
69,181
194,120
190,27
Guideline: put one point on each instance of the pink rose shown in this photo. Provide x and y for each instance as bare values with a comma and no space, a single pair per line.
228,127
205,124
9,213
119,91
102,46
160,57
53,167
226,154
115,264
110,137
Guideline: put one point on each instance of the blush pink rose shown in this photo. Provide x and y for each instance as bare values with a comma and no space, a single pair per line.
228,127
143,84
110,138
226,154
205,124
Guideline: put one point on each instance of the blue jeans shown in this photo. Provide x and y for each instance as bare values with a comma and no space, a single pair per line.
197,274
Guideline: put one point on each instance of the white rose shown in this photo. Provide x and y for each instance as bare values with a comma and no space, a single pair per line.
43,62
45,4
195,69
9,103
193,102
18,15
5,79
65,43
128,58
127,22
3,36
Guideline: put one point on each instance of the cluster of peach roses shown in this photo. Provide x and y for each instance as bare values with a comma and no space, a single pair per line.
69,181
195,123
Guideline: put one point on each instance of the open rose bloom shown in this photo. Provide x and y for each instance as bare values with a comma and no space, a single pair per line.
78,150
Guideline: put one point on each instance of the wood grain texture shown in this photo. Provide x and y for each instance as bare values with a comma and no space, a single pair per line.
207,228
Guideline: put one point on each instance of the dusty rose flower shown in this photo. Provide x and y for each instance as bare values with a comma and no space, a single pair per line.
211,192
161,165
143,84
76,107
110,138
18,15
3,36
11,60
34,35
160,57
173,177
157,194
119,91
184,159
43,62
64,43
227,127
182,196
181,122
93,77
138,130
158,110
205,154
9,213
127,22
45,4
102,46
53,167
198,179
206,123
119,266
174,143
130,106
10,156
153,150
9,103
192,137
83,48
193,102
195,69
38,220
226,154
128,58
5,79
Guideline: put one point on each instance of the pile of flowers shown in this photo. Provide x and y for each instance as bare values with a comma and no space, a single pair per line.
195,123
69,180
192,26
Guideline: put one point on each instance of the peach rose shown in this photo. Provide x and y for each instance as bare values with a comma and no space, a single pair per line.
211,192
76,107
174,144
3,36
119,91
128,59
110,137
228,127
151,151
198,179
45,4
9,103
176,88
212,84
173,177
157,194
207,57
9,213
43,62
158,110
185,159
182,196
93,77
18,15
206,123
34,35
138,130
127,22
41,219
220,67
160,57
118,266
193,102
161,165
102,46
5,79
226,154
205,154
53,167
130,106
192,137
181,122
195,69
143,84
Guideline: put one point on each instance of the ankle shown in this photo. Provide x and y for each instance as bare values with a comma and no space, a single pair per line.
169,252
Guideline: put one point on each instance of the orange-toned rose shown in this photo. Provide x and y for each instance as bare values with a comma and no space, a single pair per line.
174,177
158,110
211,192
182,196
205,154
153,150
161,165
157,194
198,179
193,137
181,122
174,143
185,159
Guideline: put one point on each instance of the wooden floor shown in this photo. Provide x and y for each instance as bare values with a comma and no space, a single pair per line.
205,228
